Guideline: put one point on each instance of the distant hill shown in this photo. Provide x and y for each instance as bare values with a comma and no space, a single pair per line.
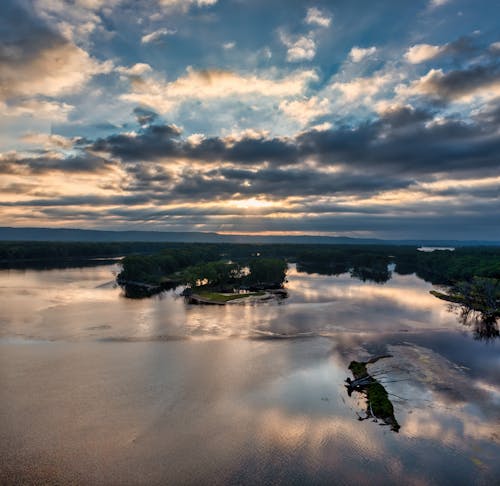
67,234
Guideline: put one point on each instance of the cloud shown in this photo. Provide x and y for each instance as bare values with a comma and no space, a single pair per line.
157,35
156,142
475,77
423,52
363,88
402,140
396,225
305,110
489,113
214,84
136,70
462,49
40,109
62,5
76,20
352,146
437,3
152,142
302,48
371,177
59,69
144,116
405,141
315,16
459,84
35,60
48,141
357,54
184,5
51,162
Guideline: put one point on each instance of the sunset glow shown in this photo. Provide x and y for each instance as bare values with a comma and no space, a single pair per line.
202,116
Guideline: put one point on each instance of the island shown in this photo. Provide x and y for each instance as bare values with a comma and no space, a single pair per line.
378,404
213,282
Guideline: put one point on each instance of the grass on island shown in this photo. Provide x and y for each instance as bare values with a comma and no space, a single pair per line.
218,297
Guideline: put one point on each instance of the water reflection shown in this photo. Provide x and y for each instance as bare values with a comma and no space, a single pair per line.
84,303
137,391
484,327
373,271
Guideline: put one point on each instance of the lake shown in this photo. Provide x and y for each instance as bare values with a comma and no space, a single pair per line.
99,389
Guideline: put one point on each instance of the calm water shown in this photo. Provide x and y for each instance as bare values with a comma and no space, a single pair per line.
99,389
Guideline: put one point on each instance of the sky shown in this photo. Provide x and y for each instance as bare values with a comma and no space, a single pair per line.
343,118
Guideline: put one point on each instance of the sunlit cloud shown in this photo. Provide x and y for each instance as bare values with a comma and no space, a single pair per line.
157,35
316,17
183,4
41,109
438,3
210,84
56,70
363,88
302,48
357,54
423,52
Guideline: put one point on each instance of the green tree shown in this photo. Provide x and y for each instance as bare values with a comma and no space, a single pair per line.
267,270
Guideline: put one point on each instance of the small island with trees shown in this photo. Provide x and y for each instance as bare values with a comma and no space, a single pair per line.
223,283
208,277
378,404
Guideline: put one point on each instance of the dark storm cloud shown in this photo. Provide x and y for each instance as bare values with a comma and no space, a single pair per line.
461,82
23,35
390,153
300,182
148,178
18,188
488,191
84,162
7,166
464,47
244,151
417,148
162,141
229,182
145,116
402,141
257,150
153,141
489,114
90,200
